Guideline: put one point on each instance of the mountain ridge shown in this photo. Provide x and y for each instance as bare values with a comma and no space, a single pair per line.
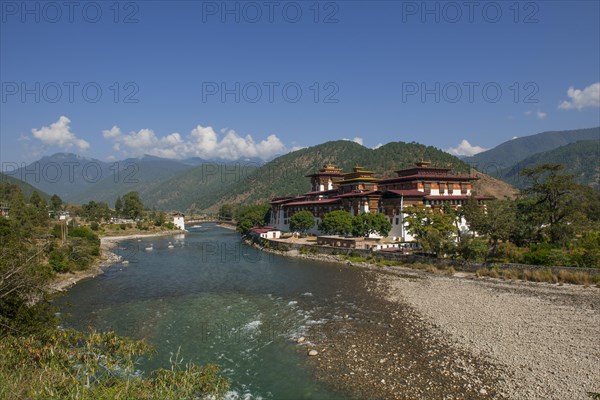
582,159
512,151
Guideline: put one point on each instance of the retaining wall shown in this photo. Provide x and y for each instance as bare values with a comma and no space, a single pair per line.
460,265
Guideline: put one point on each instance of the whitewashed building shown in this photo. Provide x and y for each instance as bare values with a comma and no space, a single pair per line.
179,221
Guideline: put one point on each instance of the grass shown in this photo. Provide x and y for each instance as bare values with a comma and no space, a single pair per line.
513,274
542,275
307,250
66,364
358,259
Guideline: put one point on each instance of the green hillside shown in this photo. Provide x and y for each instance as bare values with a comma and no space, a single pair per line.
509,153
140,175
198,188
582,159
25,187
285,175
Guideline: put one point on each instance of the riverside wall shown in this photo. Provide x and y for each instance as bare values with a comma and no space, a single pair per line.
460,265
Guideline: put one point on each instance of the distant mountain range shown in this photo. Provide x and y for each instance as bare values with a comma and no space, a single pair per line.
201,185
77,179
577,149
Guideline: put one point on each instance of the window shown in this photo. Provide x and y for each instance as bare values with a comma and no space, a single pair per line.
450,187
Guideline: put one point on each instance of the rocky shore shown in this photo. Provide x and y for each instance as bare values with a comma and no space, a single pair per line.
437,336
545,338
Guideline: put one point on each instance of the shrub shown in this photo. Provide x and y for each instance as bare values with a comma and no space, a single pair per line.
95,226
575,277
509,252
169,225
473,249
546,275
68,364
538,254
85,233
59,260
449,271
558,257
511,274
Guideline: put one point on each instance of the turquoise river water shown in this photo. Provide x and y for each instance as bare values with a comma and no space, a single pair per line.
216,300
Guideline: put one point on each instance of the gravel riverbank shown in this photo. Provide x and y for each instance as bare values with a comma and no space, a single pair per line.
547,337
437,336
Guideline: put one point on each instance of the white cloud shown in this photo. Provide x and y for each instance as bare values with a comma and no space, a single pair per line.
202,142
357,139
514,137
378,145
538,114
465,149
112,132
59,134
579,99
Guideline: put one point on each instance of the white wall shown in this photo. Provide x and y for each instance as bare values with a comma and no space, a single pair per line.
179,222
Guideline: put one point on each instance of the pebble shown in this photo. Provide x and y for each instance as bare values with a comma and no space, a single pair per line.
313,352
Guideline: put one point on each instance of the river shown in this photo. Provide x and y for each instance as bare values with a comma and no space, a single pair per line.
214,299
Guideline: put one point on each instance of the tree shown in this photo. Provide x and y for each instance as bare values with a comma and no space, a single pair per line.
226,211
302,221
553,193
337,222
251,215
433,229
370,223
118,206
496,221
160,219
38,208
132,205
22,274
56,203
95,212
36,200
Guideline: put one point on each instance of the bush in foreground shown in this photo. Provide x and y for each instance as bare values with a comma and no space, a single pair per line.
67,364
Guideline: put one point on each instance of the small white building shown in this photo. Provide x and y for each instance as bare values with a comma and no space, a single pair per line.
267,232
179,221
271,235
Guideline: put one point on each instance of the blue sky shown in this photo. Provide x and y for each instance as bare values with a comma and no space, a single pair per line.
375,71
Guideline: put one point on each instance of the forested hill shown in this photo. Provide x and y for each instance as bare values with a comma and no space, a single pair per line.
25,187
582,159
507,154
286,175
